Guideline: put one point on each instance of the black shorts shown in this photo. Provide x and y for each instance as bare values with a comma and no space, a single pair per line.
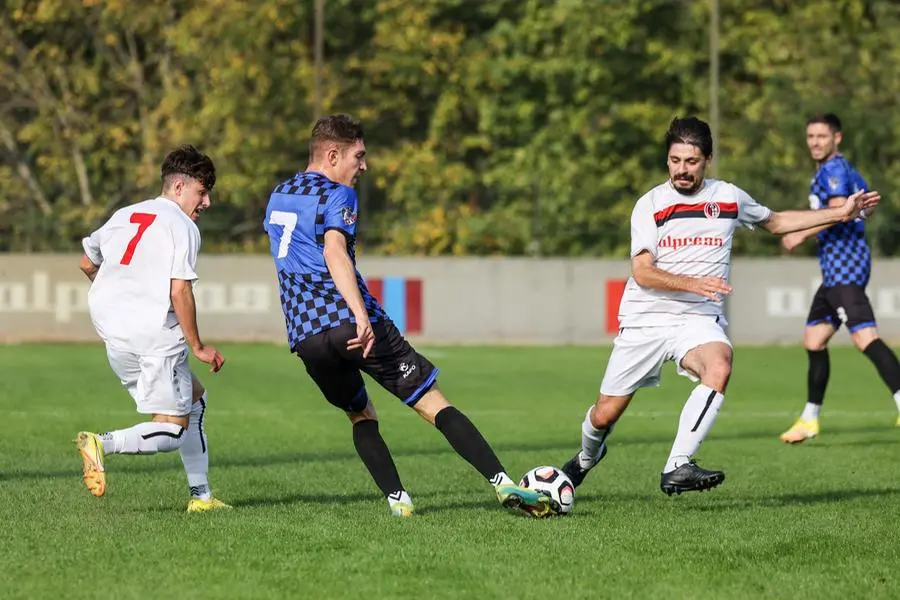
847,304
393,363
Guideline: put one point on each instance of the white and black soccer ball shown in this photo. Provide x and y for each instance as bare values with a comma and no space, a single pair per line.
551,482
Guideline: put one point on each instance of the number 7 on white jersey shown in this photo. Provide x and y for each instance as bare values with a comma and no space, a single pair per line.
288,220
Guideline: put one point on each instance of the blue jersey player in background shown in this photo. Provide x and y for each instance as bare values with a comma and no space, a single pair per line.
846,264
339,330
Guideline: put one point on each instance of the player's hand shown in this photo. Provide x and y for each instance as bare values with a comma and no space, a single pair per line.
210,356
792,240
860,201
365,337
711,287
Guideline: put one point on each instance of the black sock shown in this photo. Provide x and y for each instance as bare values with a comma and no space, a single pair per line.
817,376
469,443
375,455
886,362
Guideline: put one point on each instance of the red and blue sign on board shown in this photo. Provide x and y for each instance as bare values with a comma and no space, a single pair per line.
401,298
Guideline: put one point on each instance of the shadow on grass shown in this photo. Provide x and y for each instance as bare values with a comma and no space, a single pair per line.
792,499
562,453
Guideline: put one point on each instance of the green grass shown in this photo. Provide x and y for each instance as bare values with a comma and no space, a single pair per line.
817,520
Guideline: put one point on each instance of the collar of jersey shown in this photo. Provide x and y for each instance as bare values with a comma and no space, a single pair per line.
316,173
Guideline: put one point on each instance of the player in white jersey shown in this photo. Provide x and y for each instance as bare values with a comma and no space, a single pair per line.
681,235
142,264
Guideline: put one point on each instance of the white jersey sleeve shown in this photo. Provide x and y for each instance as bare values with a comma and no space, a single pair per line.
644,233
91,245
187,244
750,212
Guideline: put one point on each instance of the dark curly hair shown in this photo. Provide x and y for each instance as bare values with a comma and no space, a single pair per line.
690,130
187,160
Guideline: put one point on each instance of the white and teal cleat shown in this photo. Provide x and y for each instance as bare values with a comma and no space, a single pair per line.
523,500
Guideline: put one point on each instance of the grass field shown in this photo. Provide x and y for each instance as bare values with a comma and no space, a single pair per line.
817,520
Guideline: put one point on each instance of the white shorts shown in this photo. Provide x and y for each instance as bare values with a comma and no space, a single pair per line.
640,352
160,385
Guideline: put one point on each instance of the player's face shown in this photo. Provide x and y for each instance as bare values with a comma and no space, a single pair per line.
351,163
687,166
193,196
822,142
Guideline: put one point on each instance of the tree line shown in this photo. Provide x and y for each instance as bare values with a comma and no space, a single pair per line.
494,127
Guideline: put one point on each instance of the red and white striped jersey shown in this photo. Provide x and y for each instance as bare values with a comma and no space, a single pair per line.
685,235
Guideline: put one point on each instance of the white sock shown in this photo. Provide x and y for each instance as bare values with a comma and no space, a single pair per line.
593,441
501,478
144,438
897,399
811,411
399,497
697,418
195,452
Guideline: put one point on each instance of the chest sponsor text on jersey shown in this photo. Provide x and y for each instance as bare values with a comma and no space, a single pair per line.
696,240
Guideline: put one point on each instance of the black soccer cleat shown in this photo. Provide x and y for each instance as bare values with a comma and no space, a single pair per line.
573,469
689,478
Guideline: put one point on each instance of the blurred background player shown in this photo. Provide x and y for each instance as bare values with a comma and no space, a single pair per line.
142,264
846,264
338,329
681,237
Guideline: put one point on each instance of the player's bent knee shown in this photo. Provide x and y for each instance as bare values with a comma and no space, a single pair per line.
608,409
717,374
366,414
863,337
430,404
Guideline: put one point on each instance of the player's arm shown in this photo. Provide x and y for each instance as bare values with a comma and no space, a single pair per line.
93,258
343,273
185,307
339,264
647,275
88,268
341,211
337,259
792,240
789,221
181,294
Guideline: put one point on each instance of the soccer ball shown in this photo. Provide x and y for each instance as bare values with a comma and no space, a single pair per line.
551,482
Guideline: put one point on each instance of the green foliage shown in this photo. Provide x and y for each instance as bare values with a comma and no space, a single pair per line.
494,127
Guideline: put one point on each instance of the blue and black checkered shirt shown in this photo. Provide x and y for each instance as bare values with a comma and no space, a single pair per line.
843,252
299,213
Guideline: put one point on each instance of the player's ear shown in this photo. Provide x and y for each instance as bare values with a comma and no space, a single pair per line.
333,155
838,136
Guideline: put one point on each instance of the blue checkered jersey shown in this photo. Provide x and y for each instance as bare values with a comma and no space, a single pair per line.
843,252
299,212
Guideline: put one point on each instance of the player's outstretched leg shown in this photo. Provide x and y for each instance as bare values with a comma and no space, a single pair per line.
595,430
374,453
143,438
194,452
468,442
807,426
681,473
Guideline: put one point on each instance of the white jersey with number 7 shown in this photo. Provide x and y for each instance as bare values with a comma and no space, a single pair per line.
139,250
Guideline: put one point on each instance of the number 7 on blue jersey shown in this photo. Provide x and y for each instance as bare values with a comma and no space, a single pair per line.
288,220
